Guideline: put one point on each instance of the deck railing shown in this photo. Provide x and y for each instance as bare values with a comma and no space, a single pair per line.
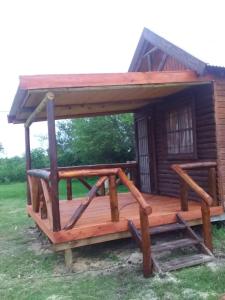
40,187
207,199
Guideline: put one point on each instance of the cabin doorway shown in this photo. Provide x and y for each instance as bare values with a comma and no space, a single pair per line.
146,154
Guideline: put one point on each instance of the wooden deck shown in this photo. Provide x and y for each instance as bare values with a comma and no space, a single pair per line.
96,226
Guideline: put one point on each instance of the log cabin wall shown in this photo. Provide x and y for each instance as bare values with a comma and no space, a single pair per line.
219,94
203,115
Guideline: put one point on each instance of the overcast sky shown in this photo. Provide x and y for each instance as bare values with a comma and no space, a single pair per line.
80,36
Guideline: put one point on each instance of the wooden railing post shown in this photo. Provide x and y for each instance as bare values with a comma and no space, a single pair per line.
212,185
113,198
69,188
146,243
206,225
53,162
28,160
184,195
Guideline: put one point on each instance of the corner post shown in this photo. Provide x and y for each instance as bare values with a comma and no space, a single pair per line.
28,160
53,162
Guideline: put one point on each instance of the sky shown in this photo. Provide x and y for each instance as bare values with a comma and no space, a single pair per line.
93,36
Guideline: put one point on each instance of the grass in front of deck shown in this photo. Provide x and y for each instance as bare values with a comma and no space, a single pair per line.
28,270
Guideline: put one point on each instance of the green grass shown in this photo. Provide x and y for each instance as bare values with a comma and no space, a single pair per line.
29,271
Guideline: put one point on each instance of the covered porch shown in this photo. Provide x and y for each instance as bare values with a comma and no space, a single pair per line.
105,213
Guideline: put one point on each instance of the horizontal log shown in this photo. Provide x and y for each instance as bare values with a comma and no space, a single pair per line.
198,165
87,173
40,173
129,165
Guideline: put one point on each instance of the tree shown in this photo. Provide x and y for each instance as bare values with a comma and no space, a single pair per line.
106,139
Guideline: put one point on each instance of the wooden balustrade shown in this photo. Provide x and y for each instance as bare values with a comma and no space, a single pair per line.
206,199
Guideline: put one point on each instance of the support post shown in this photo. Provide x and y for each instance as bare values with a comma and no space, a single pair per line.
68,257
69,188
184,195
212,185
53,163
146,243
206,226
28,160
113,198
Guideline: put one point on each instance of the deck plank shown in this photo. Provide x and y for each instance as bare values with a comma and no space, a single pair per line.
96,221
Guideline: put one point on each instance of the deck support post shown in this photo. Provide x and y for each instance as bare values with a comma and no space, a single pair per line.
113,199
53,162
69,188
146,243
28,160
68,257
206,226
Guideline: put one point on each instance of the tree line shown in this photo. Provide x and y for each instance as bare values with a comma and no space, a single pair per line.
106,139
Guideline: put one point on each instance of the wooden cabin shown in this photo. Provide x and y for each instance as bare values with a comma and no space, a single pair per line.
178,179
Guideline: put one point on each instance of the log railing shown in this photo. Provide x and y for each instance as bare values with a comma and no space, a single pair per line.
41,198
111,174
130,168
207,199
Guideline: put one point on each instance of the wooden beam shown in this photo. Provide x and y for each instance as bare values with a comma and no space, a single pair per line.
69,189
53,163
113,199
81,209
162,63
28,160
87,173
39,108
111,79
146,243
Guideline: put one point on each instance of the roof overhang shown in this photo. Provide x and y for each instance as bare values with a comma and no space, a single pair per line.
97,94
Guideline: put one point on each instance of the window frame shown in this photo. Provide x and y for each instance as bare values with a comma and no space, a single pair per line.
175,107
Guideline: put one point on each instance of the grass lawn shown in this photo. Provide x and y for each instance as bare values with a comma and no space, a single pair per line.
29,270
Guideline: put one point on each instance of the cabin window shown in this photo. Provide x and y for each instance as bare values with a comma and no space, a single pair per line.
180,133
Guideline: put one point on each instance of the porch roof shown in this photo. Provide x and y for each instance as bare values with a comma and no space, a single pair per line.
97,94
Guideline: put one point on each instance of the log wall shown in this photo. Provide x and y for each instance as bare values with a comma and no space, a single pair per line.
167,181
219,94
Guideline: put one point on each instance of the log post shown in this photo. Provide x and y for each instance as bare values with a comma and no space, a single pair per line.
28,160
68,257
206,226
212,185
53,163
69,189
113,198
184,195
146,243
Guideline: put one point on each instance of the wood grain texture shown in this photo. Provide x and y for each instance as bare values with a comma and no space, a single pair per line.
96,222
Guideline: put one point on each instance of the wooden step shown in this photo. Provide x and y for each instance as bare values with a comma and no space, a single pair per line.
167,228
174,245
187,261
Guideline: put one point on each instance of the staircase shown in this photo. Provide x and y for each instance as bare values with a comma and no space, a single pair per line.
184,240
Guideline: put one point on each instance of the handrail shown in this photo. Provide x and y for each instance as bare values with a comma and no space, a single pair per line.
180,170
135,192
207,200
40,173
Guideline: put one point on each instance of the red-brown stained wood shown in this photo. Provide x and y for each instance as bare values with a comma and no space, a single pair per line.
146,244
69,189
113,198
87,173
206,226
83,206
93,80
96,222
53,166
34,193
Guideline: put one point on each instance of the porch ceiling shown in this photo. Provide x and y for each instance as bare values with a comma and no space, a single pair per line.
97,94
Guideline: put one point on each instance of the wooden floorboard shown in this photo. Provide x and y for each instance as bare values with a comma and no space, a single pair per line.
96,225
